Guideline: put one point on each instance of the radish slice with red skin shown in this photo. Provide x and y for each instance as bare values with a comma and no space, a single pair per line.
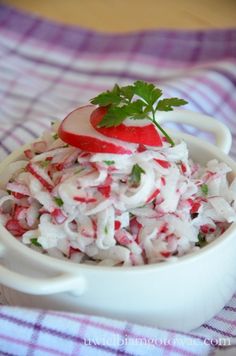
135,131
77,131
40,175
15,228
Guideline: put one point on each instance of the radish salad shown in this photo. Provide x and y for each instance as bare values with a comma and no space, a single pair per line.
104,197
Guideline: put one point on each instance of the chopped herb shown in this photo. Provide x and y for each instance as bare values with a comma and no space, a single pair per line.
55,136
106,230
201,240
44,164
136,173
52,123
204,189
138,101
58,201
109,163
79,170
35,242
9,191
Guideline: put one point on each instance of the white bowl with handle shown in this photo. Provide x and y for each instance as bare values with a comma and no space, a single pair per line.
180,295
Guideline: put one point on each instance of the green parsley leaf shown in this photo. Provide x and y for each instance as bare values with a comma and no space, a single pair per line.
44,164
114,117
79,170
204,189
167,104
138,101
109,163
201,240
134,110
55,136
147,91
108,97
127,92
58,201
35,242
135,176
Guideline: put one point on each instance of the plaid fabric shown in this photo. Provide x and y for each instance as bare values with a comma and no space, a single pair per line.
48,69
38,332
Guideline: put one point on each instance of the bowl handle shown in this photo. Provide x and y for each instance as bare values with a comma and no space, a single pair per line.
221,132
63,282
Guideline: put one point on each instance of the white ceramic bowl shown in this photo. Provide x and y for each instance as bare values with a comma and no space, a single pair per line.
180,295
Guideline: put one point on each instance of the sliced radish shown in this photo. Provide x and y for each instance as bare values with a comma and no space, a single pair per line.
29,153
77,131
14,227
153,195
85,200
58,216
136,131
40,175
20,212
39,146
105,190
163,163
18,190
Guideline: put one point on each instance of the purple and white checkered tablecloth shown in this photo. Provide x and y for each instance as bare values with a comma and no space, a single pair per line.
46,70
